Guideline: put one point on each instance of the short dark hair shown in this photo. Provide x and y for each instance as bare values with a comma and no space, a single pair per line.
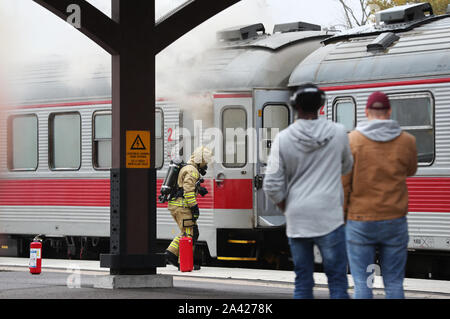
307,97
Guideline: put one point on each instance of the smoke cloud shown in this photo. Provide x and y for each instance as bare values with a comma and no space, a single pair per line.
35,42
33,35
188,48
174,65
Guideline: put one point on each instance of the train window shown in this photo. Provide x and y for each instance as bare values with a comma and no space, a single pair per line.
414,113
102,140
159,139
65,141
234,126
275,119
23,142
344,112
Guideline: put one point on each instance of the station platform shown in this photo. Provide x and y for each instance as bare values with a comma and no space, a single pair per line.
59,277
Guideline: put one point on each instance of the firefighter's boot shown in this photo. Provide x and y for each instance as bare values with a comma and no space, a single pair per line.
197,258
172,258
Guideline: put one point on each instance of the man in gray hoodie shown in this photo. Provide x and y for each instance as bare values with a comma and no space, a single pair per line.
303,178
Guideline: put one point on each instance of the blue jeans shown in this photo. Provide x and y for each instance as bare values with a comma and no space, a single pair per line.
332,249
391,239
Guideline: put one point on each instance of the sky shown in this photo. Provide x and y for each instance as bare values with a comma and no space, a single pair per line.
31,31
277,11
269,12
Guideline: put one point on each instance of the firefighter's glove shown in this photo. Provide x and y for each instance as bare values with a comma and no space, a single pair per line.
195,212
202,191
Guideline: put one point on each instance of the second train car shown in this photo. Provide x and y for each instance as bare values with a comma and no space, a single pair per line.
407,56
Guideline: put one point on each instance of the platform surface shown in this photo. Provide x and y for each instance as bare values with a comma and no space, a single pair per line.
77,279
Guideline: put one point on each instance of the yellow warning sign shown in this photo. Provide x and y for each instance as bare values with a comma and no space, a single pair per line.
138,149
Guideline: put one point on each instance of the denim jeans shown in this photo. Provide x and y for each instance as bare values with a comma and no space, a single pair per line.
332,249
391,239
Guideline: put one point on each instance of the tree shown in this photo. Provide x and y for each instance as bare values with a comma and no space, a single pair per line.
354,18
361,12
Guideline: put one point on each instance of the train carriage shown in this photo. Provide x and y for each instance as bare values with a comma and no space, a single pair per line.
244,83
406,55
54,177
55,144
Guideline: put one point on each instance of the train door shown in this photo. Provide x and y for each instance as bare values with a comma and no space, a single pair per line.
272,115
233,167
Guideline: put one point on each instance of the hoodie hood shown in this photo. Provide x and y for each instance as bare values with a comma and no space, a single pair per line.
309,135
380,130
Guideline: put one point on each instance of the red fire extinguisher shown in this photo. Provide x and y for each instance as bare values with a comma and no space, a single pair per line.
186,254
36,255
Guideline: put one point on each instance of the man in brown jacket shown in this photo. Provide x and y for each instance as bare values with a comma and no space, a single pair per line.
376,199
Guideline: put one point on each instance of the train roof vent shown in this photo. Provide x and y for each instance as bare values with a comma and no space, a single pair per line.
240,32
405,13
382,42
296,26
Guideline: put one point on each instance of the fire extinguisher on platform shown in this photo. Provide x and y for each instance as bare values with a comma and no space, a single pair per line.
36,255
186,254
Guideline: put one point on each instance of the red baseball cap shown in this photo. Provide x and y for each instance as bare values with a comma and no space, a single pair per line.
379,97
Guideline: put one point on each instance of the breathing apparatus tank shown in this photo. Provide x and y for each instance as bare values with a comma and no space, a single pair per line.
169,187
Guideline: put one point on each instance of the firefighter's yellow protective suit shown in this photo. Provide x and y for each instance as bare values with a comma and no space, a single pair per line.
180,207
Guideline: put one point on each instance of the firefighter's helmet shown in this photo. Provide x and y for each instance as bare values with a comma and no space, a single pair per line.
202,156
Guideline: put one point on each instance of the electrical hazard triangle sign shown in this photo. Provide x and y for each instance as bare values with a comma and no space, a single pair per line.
137,144
138,149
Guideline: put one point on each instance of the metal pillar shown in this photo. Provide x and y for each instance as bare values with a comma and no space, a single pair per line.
133,187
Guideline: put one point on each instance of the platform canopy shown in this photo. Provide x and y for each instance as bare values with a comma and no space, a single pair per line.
167,29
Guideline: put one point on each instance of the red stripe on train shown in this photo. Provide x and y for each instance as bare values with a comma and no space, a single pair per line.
234,194
232,95
67,104
426,194
429,194
63,192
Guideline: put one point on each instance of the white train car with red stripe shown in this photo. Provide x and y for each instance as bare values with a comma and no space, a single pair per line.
55,145
407,56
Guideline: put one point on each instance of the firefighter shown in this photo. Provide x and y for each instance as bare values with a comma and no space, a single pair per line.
183,207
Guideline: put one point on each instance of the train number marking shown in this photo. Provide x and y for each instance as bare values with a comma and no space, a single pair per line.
322,110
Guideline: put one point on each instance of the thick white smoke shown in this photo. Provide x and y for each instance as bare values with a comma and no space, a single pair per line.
173,79
191,45
31,37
